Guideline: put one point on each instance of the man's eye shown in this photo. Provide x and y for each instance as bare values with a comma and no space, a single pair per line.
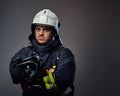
47,29
37,28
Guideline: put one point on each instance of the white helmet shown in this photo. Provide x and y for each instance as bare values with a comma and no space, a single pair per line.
47,17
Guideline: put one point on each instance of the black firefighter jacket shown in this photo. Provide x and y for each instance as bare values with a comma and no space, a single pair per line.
64,72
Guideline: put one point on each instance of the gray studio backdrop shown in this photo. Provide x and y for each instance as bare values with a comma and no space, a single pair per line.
89,28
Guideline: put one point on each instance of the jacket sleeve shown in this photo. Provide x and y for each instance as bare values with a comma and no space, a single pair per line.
16,73
65,71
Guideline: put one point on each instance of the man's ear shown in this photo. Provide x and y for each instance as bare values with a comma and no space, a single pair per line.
31,36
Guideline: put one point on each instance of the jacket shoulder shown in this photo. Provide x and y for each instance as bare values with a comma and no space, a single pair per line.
64,51
22,53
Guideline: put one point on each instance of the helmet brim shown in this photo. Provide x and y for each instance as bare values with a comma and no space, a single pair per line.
43,25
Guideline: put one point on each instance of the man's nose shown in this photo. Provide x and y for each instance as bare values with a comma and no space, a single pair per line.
41,32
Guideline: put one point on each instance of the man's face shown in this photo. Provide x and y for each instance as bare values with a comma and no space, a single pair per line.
43,34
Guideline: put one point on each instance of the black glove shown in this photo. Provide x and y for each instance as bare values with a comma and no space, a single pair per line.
29,66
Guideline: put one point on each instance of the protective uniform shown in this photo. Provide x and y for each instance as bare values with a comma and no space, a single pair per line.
35,82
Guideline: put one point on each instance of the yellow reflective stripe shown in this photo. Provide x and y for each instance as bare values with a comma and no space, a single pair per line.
54,66
51,78
45,79
49,81
47,85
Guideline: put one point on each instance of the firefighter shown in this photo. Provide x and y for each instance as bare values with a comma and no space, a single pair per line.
45,67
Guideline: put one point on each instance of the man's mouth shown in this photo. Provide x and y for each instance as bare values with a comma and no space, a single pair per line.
41,38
